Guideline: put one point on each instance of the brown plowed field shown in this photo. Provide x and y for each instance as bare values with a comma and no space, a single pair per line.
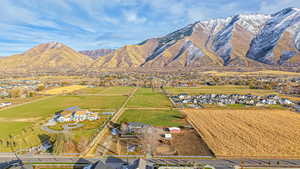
249,133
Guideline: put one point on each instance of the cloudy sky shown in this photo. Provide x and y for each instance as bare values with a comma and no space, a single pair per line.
93,24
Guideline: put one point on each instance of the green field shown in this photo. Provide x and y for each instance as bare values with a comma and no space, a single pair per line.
20,100
21,124
147,98
7,129
121,90
153,117
96,90
225,89
49,106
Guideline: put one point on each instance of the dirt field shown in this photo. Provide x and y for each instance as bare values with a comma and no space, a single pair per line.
189,143
249,133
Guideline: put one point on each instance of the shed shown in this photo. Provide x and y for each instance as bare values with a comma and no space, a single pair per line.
168,136
174,130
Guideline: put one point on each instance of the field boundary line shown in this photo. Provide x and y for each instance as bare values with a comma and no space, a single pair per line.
91,147
148,108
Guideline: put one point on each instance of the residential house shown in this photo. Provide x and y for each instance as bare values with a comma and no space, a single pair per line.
132,127
76,114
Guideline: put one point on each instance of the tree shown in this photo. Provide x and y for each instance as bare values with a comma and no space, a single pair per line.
15,93
40,87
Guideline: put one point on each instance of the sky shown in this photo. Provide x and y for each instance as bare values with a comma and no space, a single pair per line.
94,24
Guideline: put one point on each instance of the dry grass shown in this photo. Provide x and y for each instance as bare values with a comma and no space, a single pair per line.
249,133
62,90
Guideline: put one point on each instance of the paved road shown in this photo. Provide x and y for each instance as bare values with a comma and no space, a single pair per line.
98,138
218,163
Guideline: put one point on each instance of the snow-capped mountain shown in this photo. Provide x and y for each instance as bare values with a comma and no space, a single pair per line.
240,40
275,29
243,41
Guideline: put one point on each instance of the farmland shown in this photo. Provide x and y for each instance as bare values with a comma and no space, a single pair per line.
248,132
20,100
49,106
119,90
62,90
21,124
153,117
96,90
147,98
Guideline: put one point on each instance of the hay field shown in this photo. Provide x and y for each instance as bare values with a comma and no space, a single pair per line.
62,90
249,133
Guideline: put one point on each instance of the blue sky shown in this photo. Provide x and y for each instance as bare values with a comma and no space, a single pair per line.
93,24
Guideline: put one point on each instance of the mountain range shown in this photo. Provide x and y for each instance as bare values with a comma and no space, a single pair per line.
252,40
95,54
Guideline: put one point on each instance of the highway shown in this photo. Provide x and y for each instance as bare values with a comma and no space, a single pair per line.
218,163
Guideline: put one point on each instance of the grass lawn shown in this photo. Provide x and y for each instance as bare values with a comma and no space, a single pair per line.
121,90
153,117
223,89
145,97
89,130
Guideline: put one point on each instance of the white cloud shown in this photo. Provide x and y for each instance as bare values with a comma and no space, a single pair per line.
132,16
268,6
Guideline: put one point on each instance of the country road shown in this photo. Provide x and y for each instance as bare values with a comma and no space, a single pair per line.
93,145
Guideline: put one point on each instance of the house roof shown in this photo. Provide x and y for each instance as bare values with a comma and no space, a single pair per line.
174,128
74,108
80,112
101,165
137,124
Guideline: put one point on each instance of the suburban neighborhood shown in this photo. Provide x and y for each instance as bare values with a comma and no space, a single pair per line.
196,101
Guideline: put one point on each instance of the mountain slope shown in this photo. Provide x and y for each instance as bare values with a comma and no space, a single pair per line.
129,56
277,41
240,40
95,54
49,57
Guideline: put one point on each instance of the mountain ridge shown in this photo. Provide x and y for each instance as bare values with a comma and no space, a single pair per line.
46,57
244,40
95,54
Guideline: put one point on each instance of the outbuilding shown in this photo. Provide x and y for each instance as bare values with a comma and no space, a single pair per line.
168,136
174,129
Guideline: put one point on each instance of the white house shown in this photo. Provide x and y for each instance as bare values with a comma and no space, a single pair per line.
5,104
76,114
